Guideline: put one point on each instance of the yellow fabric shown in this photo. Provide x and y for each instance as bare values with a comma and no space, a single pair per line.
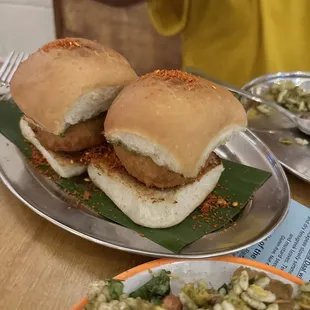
237,40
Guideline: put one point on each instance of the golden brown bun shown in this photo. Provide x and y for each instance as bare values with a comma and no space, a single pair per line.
68,81
174,118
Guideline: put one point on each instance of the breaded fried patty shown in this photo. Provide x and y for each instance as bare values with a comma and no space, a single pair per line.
76,138
146,171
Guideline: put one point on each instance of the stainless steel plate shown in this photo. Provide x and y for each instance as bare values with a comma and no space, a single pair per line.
270,129
262,215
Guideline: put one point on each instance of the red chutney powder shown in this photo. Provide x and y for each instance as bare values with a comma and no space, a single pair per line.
66,43
208,210
190,80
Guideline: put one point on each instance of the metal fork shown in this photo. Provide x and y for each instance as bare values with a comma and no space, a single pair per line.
8,68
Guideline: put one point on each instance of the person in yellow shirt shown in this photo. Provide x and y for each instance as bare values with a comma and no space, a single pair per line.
236,40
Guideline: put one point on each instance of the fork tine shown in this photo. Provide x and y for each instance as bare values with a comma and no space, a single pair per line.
26,56
5,64
17,63
9,68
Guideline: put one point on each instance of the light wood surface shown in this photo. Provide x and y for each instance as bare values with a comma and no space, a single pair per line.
45,267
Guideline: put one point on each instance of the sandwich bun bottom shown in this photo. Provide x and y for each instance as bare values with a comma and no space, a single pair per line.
151,207
60,164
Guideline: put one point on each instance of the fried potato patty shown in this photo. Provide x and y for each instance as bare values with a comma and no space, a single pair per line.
146,171
76,138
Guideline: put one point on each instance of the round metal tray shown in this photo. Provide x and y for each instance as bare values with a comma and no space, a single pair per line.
270,129
261,216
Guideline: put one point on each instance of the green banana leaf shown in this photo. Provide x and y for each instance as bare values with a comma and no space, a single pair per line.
237,184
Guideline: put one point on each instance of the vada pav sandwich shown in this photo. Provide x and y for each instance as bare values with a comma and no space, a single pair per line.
64,90
163,129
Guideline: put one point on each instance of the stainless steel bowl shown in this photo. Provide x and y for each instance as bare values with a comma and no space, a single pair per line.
271,128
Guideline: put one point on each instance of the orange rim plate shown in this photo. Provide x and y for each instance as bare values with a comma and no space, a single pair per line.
229,259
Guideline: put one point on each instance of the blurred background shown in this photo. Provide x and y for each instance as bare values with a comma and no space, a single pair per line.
25,25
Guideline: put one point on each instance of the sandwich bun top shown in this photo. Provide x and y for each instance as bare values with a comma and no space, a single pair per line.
175,118
68,81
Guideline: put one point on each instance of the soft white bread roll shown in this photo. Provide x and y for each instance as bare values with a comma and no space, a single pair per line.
61,165
151,207
68,81
175,118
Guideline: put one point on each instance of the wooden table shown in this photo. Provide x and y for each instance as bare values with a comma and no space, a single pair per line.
45,267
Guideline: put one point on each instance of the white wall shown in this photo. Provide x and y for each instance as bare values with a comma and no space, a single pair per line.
25,25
